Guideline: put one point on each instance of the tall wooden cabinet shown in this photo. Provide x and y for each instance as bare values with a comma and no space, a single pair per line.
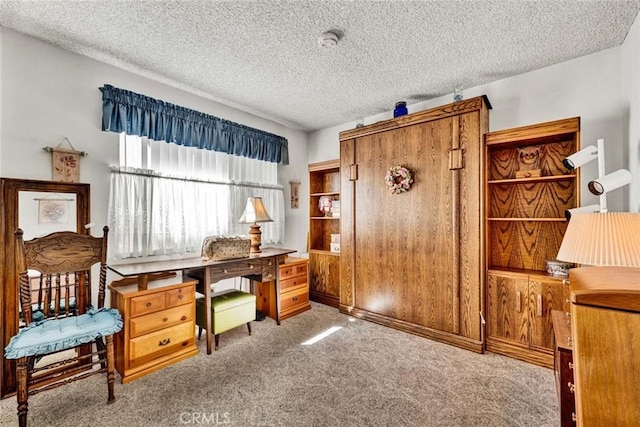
324,263
527,192
414,261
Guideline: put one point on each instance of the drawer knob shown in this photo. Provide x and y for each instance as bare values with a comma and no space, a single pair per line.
250,266
295,298
270,262
165,319
148,304
164,342
572,387
183,318
180,296
573,417
225,271
570,365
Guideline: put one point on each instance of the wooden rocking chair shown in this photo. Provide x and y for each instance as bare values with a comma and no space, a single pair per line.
58,315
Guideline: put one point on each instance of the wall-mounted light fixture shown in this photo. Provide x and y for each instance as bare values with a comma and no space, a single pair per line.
604,183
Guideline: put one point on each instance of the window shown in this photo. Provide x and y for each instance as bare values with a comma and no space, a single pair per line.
166,198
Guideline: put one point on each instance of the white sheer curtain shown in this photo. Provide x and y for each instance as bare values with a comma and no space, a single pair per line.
166,198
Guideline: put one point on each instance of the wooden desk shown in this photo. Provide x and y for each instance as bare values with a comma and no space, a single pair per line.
260,267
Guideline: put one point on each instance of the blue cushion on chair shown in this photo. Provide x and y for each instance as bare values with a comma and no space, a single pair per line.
53,335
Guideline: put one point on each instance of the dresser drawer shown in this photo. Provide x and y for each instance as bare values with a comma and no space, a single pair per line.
180,296
162,341
293,298
287,284
160,320
145,304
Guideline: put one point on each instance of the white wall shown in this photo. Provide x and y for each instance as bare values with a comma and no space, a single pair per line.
631,89
588,87
47,93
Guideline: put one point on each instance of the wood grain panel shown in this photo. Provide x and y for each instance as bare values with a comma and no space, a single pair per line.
347,224
542,131
507,298
504,163
403,250
471,226
532,199
544,296
524,244
324,278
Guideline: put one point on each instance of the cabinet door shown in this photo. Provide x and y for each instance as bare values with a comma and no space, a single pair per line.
544,295
507,305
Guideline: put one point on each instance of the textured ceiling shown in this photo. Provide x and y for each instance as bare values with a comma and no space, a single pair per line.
263,56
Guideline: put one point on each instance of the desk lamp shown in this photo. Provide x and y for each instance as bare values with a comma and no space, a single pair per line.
254,213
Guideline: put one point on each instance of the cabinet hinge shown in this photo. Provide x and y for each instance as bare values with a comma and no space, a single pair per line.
455,159
353,172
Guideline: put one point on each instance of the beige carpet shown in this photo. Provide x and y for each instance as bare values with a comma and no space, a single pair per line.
362,375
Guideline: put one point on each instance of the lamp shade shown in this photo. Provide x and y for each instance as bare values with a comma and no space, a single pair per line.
602,239
254,212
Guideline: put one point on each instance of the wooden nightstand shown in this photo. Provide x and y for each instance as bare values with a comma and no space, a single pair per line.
294,290
563,367
159,326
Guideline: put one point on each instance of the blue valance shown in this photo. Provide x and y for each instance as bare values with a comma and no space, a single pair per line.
136,114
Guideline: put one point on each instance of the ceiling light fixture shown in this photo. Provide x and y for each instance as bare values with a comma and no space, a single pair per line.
328,40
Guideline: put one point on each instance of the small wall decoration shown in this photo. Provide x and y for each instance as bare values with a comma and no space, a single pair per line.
65,162
398,179
53,211
294,183
529,161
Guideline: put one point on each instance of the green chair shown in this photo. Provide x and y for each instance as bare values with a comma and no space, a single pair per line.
229,309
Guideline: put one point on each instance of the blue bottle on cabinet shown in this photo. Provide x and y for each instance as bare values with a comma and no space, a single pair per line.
401,109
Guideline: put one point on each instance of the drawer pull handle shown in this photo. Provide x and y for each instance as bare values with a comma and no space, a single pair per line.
570,365
148,304
164,342
225,271
270,263
295,298
573,417
165,319
572,387
565,281
250,266
180,296
183,318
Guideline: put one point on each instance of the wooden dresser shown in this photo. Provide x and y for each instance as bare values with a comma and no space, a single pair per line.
159,326
605,326
563,367
294,290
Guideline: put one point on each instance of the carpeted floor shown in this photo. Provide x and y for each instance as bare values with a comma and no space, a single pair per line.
361,375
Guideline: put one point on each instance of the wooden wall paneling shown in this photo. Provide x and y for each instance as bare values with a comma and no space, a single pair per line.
417,260
347,225
544,296
507,299
525,226
471,255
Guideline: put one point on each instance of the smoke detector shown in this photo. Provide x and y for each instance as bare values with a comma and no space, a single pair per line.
328,40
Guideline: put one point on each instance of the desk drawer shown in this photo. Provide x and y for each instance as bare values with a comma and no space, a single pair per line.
287,271
287,284
146,304
180,296
239,268
163,341
296,296
160,320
